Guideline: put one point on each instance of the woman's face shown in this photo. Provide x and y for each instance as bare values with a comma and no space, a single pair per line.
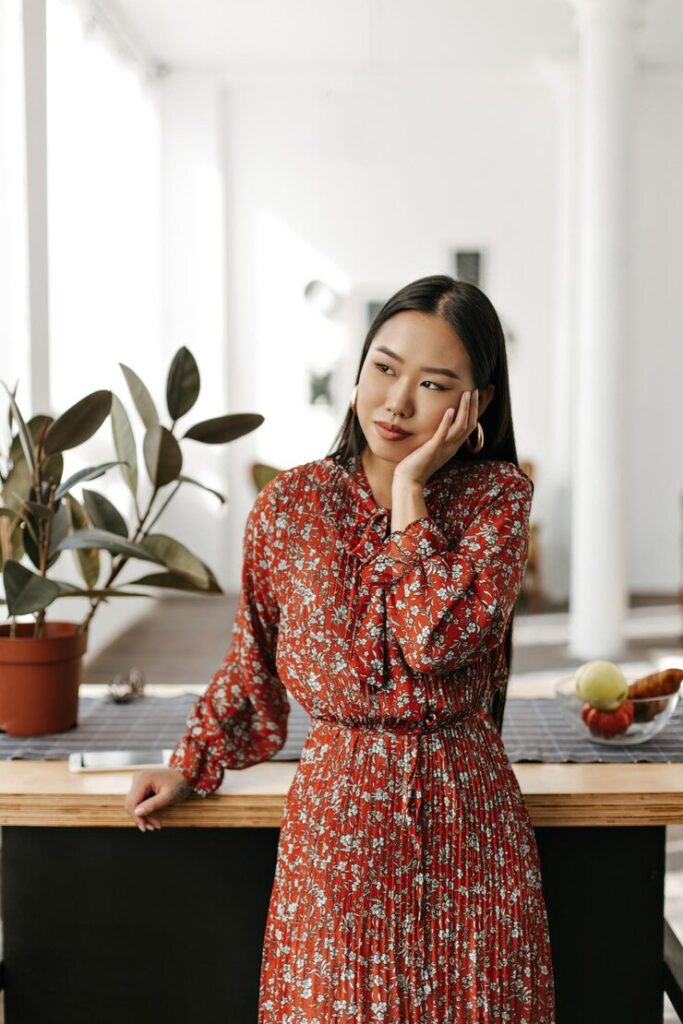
394,387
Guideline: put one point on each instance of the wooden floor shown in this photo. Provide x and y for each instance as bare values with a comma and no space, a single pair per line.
185,639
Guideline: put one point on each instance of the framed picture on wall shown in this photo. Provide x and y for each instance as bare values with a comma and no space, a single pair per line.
468,266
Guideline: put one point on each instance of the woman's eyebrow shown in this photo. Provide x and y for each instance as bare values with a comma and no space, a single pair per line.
443,370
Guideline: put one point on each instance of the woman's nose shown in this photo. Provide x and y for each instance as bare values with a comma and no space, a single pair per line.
398,399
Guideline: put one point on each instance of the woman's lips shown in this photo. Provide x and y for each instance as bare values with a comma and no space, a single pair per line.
385,431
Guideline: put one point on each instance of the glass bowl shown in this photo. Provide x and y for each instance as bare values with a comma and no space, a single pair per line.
650,714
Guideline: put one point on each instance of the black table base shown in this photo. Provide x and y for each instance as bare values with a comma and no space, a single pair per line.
114,925
123,927
604,891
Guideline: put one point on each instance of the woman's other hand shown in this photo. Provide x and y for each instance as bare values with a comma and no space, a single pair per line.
152,789
454,429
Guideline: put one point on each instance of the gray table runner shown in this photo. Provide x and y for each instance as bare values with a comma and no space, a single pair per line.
534,729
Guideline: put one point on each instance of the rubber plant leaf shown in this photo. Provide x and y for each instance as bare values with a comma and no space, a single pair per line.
103,514
26,591
177,558
163,457
78,423
222,429
141,397
182,383
91,473
124,444
88,560
106,541
24,433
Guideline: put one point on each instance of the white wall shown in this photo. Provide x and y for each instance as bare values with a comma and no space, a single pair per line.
193,312
367,183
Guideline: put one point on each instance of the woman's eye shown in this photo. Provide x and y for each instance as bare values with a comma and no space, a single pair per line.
383,366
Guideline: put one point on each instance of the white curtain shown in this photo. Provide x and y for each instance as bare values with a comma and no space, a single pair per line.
13,227
104,189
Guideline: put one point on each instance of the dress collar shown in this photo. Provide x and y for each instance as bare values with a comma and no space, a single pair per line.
355,473
372,522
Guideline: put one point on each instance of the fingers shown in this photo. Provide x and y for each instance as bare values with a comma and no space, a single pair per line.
146,795
144,810
447,422
144,825
145,806
473,410
468,413
141,786
150,822
145,821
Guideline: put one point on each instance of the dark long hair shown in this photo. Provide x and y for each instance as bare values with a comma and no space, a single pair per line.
473,318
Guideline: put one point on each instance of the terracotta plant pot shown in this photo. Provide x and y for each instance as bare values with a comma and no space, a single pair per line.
40,677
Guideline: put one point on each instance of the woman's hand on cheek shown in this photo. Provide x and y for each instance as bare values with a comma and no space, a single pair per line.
444,443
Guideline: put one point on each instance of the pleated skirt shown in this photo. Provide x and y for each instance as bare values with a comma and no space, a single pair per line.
408,886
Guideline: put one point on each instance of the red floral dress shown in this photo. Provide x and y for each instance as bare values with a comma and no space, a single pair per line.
408,884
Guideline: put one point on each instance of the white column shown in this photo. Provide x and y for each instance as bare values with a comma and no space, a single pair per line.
598,585
560,75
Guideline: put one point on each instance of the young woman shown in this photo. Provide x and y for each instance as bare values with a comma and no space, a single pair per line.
378,589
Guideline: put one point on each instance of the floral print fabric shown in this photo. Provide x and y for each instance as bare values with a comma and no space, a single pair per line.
408,885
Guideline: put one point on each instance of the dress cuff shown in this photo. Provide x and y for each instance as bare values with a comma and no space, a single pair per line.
193,760
402,550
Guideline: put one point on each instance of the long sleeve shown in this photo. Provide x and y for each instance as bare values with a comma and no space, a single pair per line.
446,606
241,719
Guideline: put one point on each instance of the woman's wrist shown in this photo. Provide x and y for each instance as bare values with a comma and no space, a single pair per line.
183,787
407,502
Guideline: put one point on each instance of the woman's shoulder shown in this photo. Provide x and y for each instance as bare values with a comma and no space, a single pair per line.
511,473
287,483
304,473
491,472
493,480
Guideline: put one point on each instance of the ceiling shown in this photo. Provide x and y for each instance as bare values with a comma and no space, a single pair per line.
376,35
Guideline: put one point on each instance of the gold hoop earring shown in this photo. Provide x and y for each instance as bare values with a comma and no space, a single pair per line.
480,440
354,396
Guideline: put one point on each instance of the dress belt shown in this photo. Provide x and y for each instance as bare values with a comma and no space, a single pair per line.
431,722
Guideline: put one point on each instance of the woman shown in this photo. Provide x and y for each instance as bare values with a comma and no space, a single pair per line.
378,588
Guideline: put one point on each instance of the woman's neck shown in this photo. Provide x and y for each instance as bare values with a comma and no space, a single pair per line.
380,475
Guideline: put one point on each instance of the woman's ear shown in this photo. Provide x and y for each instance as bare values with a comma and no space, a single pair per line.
485,397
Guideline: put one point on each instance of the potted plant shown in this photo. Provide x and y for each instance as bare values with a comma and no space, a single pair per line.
40,517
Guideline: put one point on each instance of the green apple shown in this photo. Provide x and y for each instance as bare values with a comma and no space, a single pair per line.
602,684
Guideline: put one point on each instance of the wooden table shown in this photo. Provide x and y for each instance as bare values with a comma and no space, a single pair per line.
110,922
